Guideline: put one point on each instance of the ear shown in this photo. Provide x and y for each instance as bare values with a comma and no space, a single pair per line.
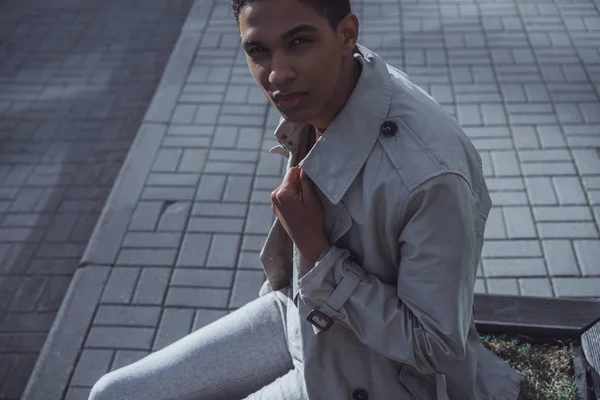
348,33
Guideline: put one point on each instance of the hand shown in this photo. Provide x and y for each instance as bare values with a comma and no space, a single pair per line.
296,204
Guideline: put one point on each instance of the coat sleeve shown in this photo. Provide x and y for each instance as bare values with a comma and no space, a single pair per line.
424,320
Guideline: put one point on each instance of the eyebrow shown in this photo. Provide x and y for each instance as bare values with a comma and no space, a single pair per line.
287,35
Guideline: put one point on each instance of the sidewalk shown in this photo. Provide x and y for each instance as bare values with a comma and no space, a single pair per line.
76,78
177,244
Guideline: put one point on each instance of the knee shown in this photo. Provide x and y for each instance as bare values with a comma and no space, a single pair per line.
107,388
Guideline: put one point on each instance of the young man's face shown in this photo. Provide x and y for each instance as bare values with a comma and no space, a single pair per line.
294,55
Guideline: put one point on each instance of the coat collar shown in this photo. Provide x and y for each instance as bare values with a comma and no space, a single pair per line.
337,157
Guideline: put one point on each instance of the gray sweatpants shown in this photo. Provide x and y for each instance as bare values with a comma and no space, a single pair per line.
242,355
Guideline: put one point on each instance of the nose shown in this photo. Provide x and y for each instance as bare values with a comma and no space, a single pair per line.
282,71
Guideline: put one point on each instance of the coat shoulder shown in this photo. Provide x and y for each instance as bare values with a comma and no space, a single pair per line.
428,141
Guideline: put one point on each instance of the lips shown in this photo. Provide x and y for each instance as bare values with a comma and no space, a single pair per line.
289,101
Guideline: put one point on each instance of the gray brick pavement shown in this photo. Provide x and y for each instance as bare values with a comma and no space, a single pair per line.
75,80
180,236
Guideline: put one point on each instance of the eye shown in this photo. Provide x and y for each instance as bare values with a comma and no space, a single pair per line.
299,41
256,50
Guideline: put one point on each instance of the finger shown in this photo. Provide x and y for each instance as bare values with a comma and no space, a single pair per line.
292,178
306,183
274,199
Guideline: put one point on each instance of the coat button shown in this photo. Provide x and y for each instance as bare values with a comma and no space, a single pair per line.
388,128
360,394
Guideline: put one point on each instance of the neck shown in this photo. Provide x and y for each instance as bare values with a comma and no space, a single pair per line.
348,79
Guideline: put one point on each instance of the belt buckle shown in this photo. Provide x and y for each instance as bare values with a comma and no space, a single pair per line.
315,316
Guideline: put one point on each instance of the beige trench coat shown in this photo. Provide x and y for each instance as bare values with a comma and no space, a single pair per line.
406,206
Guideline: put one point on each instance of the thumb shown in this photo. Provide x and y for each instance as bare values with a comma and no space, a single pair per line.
292,175
292,178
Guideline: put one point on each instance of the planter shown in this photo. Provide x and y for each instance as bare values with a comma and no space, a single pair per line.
548,321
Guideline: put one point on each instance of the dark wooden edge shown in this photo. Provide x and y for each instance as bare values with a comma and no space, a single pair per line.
535,316
544,320
581,374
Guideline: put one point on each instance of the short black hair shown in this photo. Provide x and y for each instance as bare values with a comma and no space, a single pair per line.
333,10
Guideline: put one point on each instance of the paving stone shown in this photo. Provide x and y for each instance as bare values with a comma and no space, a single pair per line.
541,191
202,278
194,250
61,228
151,286
507,267
17,378
91,366
562,213
249,260
225,136
146,215
237,189
126,338
174,325
548,168
206,114
184,113
587,161
480,286
26,322
260,219
215,209
551,136
53,293
238,155
211,188
591,182
545,155
147,257
507,286
197,297
216,225
246,287
179,179
538,287
567,230
494,228
270,165
167,160
594,196
253,242
249,138
22,342
223,251
576,287
505,163
192,160
190,130
222,167
588,254
120,285
511,248
519,222
127,316
152,240
28,294
126,357
171,194
509,198
174,216
569,190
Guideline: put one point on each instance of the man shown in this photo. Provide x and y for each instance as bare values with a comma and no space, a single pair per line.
372,260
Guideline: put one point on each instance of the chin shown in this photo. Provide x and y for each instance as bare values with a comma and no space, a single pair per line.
296,117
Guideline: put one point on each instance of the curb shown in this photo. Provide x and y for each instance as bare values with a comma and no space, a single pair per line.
54,366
